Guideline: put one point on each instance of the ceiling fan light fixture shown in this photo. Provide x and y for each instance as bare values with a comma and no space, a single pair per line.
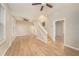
42,18
42,5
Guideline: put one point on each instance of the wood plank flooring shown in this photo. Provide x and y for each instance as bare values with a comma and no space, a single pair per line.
31,46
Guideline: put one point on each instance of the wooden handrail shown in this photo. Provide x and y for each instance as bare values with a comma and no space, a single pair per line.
41,27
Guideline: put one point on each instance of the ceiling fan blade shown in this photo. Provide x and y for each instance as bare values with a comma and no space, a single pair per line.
50,6
25,19
36,3
41,8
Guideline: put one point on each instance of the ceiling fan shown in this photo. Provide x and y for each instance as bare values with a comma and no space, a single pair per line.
47,4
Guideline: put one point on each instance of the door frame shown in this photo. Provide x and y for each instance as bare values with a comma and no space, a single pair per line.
54,29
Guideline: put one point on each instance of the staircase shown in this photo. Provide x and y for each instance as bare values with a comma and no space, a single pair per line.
42,34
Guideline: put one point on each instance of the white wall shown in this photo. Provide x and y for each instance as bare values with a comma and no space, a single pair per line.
9,34
10,21
24,28
69,12
72,27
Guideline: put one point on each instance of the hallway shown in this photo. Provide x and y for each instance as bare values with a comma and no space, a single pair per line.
31,46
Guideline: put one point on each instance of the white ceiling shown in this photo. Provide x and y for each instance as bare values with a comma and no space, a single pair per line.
27,10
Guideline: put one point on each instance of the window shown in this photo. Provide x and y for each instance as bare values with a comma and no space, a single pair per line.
1,23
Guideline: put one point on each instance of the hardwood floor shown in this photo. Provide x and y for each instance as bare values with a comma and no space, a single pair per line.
31,46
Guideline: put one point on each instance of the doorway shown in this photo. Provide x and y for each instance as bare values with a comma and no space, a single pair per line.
59,34
60,29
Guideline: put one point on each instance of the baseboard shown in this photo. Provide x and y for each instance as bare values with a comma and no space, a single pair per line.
71,47
7,48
